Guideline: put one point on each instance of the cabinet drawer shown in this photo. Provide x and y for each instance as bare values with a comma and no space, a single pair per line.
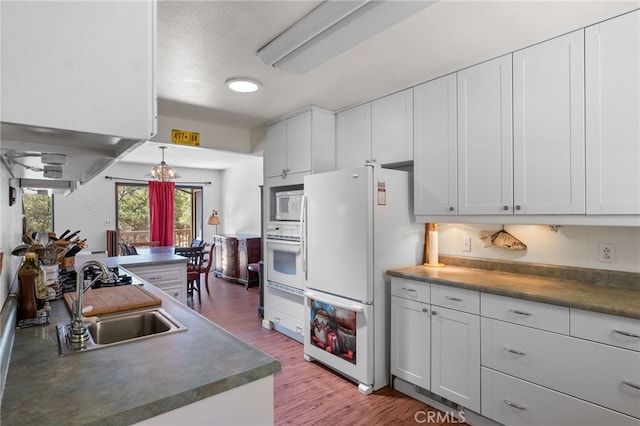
604,375
410,289
535,405
533,314
456,298
293,326
282,301
155,275
610,329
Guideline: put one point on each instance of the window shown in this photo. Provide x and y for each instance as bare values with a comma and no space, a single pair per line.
38,211
132,213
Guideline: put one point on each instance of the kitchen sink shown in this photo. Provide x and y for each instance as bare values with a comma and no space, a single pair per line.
120,328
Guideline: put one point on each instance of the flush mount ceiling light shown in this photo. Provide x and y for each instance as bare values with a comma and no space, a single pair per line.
243,85
333,28
162,172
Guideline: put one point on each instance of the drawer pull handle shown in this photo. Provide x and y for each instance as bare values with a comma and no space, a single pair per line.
513,351
630,384
410,290
515,311
514,405
626,333
453,299
298,329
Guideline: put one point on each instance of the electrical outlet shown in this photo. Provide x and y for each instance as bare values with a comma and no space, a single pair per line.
107,223
466,244
607,253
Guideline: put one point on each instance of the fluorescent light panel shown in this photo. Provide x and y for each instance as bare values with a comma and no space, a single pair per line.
333,28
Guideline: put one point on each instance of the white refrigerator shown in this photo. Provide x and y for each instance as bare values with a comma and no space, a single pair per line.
357,223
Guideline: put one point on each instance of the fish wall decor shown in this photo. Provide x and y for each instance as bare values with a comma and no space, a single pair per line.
501,239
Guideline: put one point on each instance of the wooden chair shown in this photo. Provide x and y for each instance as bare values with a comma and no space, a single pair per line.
194,265
197,243
206,263
127,249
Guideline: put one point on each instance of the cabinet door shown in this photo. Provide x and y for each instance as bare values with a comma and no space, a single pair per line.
299,143
548,127
455,356
410,341
435,166
82,66
277,149
392,128
485,168
353,137
612,57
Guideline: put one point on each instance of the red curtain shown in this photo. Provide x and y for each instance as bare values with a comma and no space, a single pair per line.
161,211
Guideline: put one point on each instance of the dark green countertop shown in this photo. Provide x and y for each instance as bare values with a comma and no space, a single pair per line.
126,383
621,300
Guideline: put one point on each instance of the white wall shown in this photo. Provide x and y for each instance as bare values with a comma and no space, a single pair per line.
92,207
576,246
241,199
10,232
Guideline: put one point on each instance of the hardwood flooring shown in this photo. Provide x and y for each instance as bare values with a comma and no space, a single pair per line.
306,393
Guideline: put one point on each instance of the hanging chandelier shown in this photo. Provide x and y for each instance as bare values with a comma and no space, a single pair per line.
162,172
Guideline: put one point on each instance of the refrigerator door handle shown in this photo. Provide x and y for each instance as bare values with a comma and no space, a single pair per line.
303,233
319,298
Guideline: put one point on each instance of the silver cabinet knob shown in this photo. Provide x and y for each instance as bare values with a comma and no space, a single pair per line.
517,207
505,208
451,209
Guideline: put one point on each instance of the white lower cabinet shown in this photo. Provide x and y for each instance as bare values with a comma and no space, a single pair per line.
284,310
434,347
455,356
515,402
171,278
411,341
518,362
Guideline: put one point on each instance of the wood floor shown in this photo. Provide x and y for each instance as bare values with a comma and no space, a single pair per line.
306,393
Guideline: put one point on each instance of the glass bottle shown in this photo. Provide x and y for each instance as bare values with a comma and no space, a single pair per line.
31,263
27,292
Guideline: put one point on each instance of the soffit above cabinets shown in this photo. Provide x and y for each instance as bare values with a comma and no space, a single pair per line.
84,155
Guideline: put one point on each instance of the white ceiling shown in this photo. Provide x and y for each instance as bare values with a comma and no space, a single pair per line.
201,44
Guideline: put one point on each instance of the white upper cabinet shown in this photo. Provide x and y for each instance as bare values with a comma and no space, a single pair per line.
392,128
379,132
612,60
548,127
80,66
436,147
303,143
353,136
485,164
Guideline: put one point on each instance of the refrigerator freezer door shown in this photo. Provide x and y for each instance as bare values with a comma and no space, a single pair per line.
339,232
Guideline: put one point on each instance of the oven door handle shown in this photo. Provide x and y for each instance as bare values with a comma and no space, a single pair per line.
285,246
349,307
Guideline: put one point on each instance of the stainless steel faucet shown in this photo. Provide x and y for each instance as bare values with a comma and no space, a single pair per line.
78,333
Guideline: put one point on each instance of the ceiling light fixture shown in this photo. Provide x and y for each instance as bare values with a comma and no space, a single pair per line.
333,28
162,172
243,85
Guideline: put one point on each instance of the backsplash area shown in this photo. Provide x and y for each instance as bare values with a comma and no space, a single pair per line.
576,246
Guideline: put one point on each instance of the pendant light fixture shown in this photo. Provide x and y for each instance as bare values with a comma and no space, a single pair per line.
162,172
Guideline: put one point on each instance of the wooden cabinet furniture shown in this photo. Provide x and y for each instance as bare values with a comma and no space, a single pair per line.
72,66
232,255
170,278
435,339
379,132
301,143
612,80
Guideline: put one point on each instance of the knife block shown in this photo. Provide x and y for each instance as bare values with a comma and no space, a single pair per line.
67,262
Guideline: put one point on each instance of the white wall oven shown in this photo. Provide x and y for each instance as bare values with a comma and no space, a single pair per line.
284,254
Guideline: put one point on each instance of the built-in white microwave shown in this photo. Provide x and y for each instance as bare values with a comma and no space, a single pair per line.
289,205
